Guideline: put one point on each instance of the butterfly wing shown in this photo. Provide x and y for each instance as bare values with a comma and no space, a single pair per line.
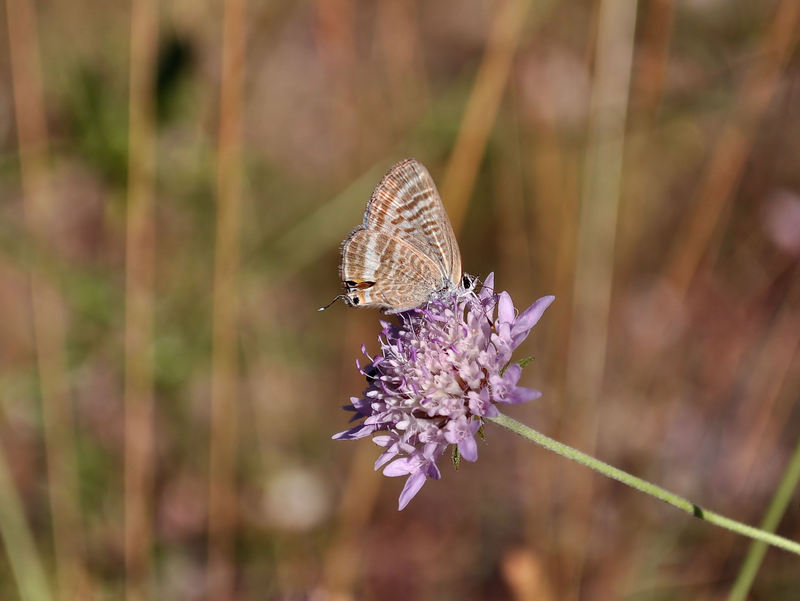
406,204
384,271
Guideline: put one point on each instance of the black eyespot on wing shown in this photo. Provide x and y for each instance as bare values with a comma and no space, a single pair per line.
354,300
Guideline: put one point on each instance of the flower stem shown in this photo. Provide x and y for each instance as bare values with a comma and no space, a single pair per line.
644,486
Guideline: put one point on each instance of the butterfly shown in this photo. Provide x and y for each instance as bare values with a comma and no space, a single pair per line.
405,252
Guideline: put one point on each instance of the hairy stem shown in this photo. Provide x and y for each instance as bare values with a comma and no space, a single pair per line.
644,486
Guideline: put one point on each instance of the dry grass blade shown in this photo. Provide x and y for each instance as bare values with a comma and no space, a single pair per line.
654,57
48,318
20,547
776,510
526,576
761,418
224,377
139,268
343,558
733,146
304,243
596,237
481,110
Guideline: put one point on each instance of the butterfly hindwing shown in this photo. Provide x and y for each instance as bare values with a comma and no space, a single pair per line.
385,271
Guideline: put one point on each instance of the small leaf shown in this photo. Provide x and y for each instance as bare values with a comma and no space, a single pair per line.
525,362
481,433
456,457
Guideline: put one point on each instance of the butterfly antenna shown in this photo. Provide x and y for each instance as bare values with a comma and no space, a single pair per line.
335,298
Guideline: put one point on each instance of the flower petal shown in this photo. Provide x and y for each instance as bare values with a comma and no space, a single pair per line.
505,308
384,458
512,375
413,484
401,467
468,449
528,318
354,433
487,288
491,411
520,394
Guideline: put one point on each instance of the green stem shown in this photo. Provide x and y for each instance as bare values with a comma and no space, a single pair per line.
26,566
645,486
773,516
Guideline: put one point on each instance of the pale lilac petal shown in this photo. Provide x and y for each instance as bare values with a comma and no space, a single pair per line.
401,467
520,394
512,374
468,449
433,450
384,458
487,291
528,318
454,430
433,472
491,411
354,433
505,308
412,487
481,404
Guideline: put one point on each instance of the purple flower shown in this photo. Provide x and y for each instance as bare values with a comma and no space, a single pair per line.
441,370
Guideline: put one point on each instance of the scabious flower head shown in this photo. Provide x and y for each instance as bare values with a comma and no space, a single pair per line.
440,371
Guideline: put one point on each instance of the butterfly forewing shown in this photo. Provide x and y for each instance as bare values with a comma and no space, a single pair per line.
405,252
407,204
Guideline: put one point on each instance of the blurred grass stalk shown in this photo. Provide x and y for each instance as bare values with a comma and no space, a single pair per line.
594,268
23,557
48,328
780,501
481,110
653,59
305,242
224,376
767,378
767,373
343,560
139,274
733,145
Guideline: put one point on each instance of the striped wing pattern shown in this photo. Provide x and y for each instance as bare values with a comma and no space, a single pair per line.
405,252
407,204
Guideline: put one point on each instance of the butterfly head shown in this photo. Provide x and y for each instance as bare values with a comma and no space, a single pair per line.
354,294
469,282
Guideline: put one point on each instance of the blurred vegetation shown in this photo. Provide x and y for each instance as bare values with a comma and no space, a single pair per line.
671,350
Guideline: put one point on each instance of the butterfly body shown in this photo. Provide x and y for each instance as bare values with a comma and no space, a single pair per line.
405,252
